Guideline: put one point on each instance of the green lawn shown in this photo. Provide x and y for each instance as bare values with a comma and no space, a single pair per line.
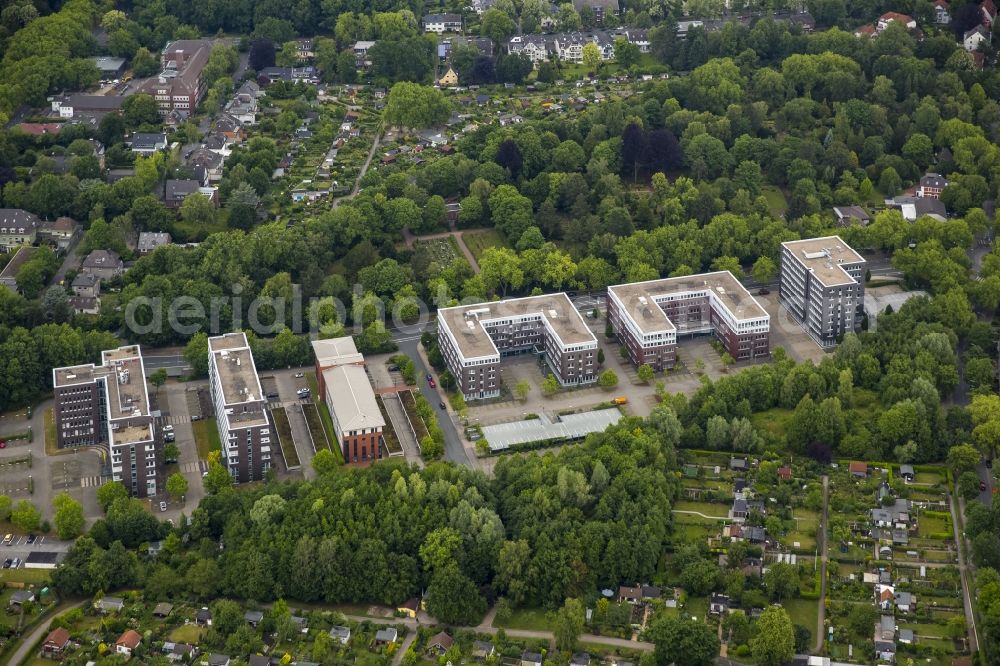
774,421
526,618
707,508
188,633
479,241
775,200
804,612
206,437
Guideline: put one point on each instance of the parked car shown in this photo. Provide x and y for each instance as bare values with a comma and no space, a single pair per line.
7,540
168,428
299,374
428,377
430,382
196,417
763,292
31,539
163,506
441,405
982,486
3,444
15,563
7,563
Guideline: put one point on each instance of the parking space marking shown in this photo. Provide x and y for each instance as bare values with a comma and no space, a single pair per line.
90,481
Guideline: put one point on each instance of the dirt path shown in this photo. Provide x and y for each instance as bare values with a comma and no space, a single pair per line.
821,545
361,174
41,629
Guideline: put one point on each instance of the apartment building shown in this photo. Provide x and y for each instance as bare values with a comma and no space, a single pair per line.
244,424
108,404
180,86
649,317
357,419
823,286
333,352
17,227
474,338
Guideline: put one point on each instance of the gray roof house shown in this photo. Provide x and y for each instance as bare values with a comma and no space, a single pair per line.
150,240
146,143
387,635
17,227
104,264
340,634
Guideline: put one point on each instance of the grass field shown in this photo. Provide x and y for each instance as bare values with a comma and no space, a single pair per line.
804,612
206,437
285,443
188,633
478,241
707,508
774,421
526,618
775,200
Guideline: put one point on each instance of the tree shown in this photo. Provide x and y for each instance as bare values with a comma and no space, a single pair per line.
626,53
550,386
963,458
453,599
414,106
774,643
177,485
567,624
497,25
968,485
218,479
262,54
764,270
158,378
645,373
109,492
591,56
500,270
196,354
198,210
683,641
781,581
608,379
26,517
324,462
68,517
522,389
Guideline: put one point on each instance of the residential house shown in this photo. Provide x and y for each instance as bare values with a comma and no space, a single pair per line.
894,17
895,516
162,609
601,8
114,175
858,469
203,617
441,23
931,185
253,618
176,191
755,534
106,605
718,604
915,207
885,630
128,642
482,44
60,233
440,643
942,12
865,31
208,160
17,227
975,38
81,105
508,119
536,47
785,473
20,597
885,651
341,635
150,240
409,608
304,49
449,78
580,659
243,105
906,471
387,635
218,143
530,659
906,602
629,595
988,12
849,215
361,58
219,660
146,143
482,650
885,595
55,644
650,592
739,510
86,285
302,623
906,637
229,126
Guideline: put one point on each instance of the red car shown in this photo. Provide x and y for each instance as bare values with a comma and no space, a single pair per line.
430,382
3,444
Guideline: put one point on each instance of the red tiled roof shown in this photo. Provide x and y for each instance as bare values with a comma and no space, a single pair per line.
58,637
129,639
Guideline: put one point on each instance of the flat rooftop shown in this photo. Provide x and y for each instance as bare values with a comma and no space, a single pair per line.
823,257
238,376
639,298
352,398
570,426
465,321
336,351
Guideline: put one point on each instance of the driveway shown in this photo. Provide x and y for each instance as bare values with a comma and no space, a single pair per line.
175,399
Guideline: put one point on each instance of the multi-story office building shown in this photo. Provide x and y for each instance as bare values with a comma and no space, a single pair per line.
180,86
473,338
823,286
648,317
245,429
108,404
